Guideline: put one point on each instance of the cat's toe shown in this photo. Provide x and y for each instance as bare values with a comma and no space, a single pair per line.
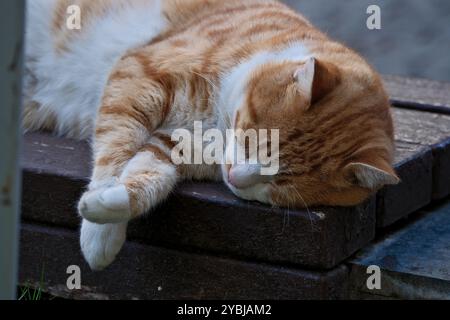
107,205
101,243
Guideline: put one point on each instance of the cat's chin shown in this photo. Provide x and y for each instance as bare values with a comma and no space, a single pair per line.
259,192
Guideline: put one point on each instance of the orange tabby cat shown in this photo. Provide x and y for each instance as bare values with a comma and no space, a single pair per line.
140,69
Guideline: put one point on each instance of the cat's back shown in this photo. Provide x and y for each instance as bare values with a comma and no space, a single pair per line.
67,67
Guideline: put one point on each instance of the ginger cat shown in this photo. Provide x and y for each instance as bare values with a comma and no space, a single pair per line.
139,69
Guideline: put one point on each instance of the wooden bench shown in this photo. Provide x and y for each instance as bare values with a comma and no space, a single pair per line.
206,243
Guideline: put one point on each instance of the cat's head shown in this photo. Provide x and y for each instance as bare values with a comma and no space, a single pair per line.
335,134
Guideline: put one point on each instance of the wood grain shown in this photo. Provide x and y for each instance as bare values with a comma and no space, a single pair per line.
147,272
420,94
422,162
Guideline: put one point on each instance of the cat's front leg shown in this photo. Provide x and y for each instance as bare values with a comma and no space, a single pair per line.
147,180
132,109
129,177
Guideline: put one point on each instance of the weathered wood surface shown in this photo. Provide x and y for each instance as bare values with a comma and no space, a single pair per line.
414,259
200,216
429,130
423,146
146,272
419,94
422,162
413,164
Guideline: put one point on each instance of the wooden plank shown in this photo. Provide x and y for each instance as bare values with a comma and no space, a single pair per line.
146,272
414,259
430,130
198,217
421,94
413,164
422,161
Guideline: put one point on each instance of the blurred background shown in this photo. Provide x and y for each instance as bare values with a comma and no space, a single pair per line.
414,39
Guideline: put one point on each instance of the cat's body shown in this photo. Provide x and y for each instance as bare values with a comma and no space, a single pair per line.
139,69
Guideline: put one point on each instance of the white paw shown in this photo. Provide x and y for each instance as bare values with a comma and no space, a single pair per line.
101,243
106,205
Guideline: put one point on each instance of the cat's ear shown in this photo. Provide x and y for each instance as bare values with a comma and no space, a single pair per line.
371,176
316,79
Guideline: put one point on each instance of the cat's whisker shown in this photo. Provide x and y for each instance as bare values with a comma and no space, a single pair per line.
306,205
